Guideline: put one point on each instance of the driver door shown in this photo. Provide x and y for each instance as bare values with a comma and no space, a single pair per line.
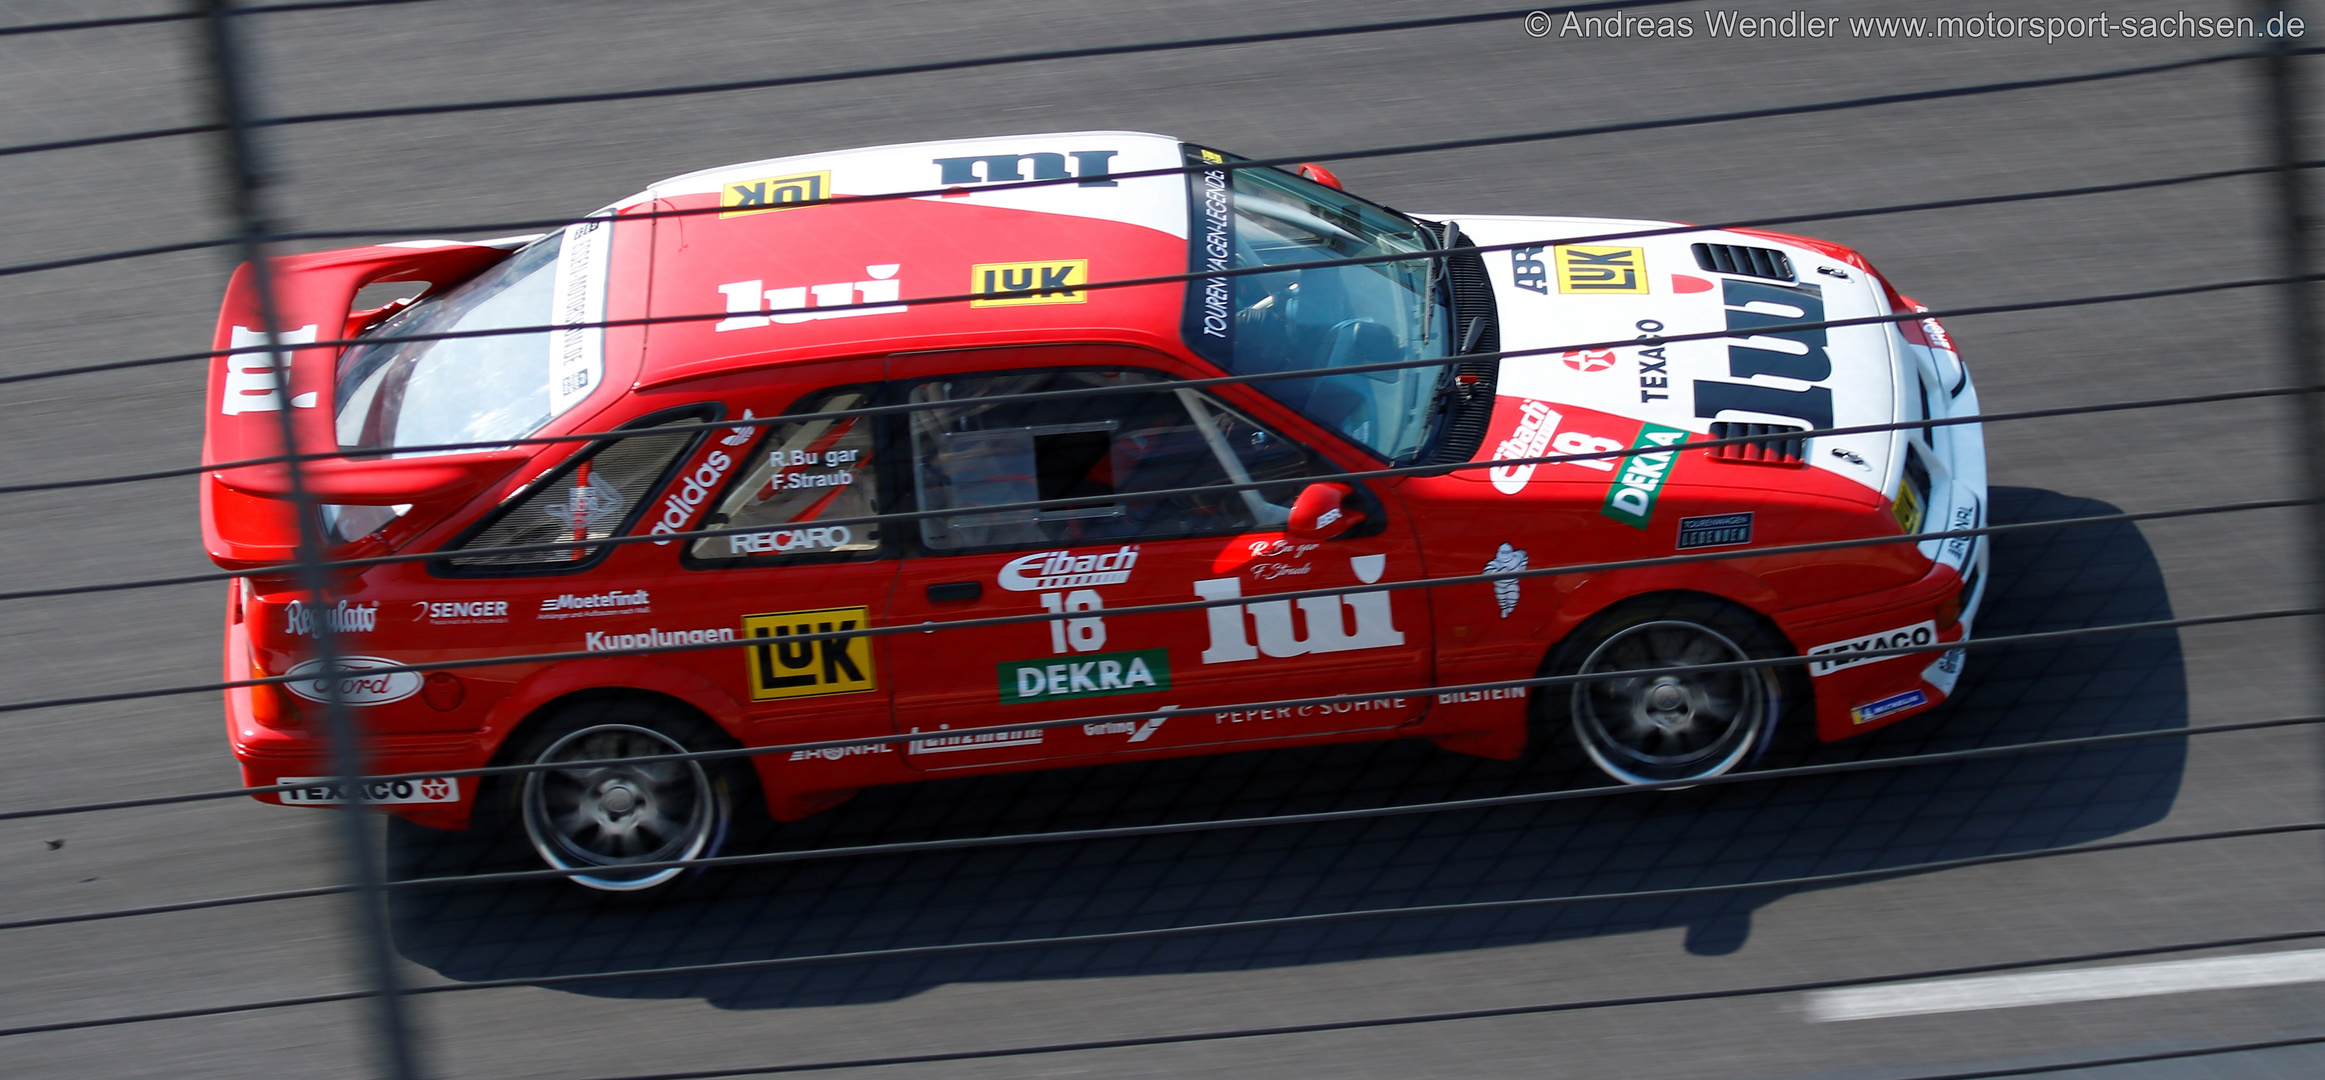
1098,545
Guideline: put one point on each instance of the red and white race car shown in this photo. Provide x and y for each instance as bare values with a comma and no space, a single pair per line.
835,424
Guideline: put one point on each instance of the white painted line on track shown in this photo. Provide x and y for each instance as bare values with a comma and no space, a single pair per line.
2058,987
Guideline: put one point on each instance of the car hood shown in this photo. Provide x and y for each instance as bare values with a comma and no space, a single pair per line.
1632,290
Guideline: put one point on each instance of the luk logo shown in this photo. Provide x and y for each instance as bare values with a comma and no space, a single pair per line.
679,507
1046,570
1527,270
1799,354
781,667
1089,168
1327,619
1018,284
1631,498
769,194
1905,637
1592,268
250,380
1094,675
747,300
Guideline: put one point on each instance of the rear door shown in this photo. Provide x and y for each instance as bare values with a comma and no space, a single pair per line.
807,575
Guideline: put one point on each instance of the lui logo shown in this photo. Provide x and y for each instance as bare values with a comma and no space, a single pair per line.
1089,168
1233,626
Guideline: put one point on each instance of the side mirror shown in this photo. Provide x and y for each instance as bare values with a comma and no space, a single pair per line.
1320,174
1322,512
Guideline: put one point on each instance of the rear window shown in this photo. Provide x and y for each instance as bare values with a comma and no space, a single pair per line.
483,389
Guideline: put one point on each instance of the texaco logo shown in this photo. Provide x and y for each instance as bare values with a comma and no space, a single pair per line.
437,790
1589,359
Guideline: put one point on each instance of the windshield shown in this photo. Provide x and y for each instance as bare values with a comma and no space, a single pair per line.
1340,316
481,389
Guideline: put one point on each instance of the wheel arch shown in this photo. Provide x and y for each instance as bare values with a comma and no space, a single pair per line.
1546,705
543,693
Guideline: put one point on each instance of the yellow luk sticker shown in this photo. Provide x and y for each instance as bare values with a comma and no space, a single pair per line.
742,198
1594,268
780,666
1054,281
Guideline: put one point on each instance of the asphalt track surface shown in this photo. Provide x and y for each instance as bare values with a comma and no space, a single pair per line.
1314,96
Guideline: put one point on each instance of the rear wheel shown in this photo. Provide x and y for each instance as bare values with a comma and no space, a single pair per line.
597,814
1660,725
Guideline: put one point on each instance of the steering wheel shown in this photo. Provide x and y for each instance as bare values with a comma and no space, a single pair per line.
1340,345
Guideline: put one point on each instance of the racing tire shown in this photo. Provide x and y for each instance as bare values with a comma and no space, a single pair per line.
1677,726
601,818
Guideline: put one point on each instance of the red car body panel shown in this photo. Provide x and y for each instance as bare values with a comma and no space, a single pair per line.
778,306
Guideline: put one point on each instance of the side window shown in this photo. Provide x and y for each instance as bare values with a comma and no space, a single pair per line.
591,497
1091,455
803,472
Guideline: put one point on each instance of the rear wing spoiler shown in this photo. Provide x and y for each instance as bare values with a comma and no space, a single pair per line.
246,518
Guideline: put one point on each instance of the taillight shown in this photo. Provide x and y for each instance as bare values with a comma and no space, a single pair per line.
271,705
1949,611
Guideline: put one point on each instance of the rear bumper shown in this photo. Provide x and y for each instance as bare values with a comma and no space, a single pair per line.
270,756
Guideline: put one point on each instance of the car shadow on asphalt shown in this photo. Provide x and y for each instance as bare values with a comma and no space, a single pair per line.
1739,834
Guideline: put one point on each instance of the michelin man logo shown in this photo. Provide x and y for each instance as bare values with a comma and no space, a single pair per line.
1508,560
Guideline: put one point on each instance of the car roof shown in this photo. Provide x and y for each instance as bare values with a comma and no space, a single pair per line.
768,271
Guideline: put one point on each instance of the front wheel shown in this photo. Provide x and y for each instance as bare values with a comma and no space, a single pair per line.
1660,726
598,814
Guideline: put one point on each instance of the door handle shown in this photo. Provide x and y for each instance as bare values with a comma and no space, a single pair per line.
951,591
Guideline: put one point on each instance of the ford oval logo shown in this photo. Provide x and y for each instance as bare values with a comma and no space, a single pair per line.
357,684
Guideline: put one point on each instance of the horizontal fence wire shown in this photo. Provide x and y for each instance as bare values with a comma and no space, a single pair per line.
188,16
1386,586
1280,922
1582,1005
1127,832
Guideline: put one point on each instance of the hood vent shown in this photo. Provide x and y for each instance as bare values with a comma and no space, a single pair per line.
1472,406
1743,261
1784,445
